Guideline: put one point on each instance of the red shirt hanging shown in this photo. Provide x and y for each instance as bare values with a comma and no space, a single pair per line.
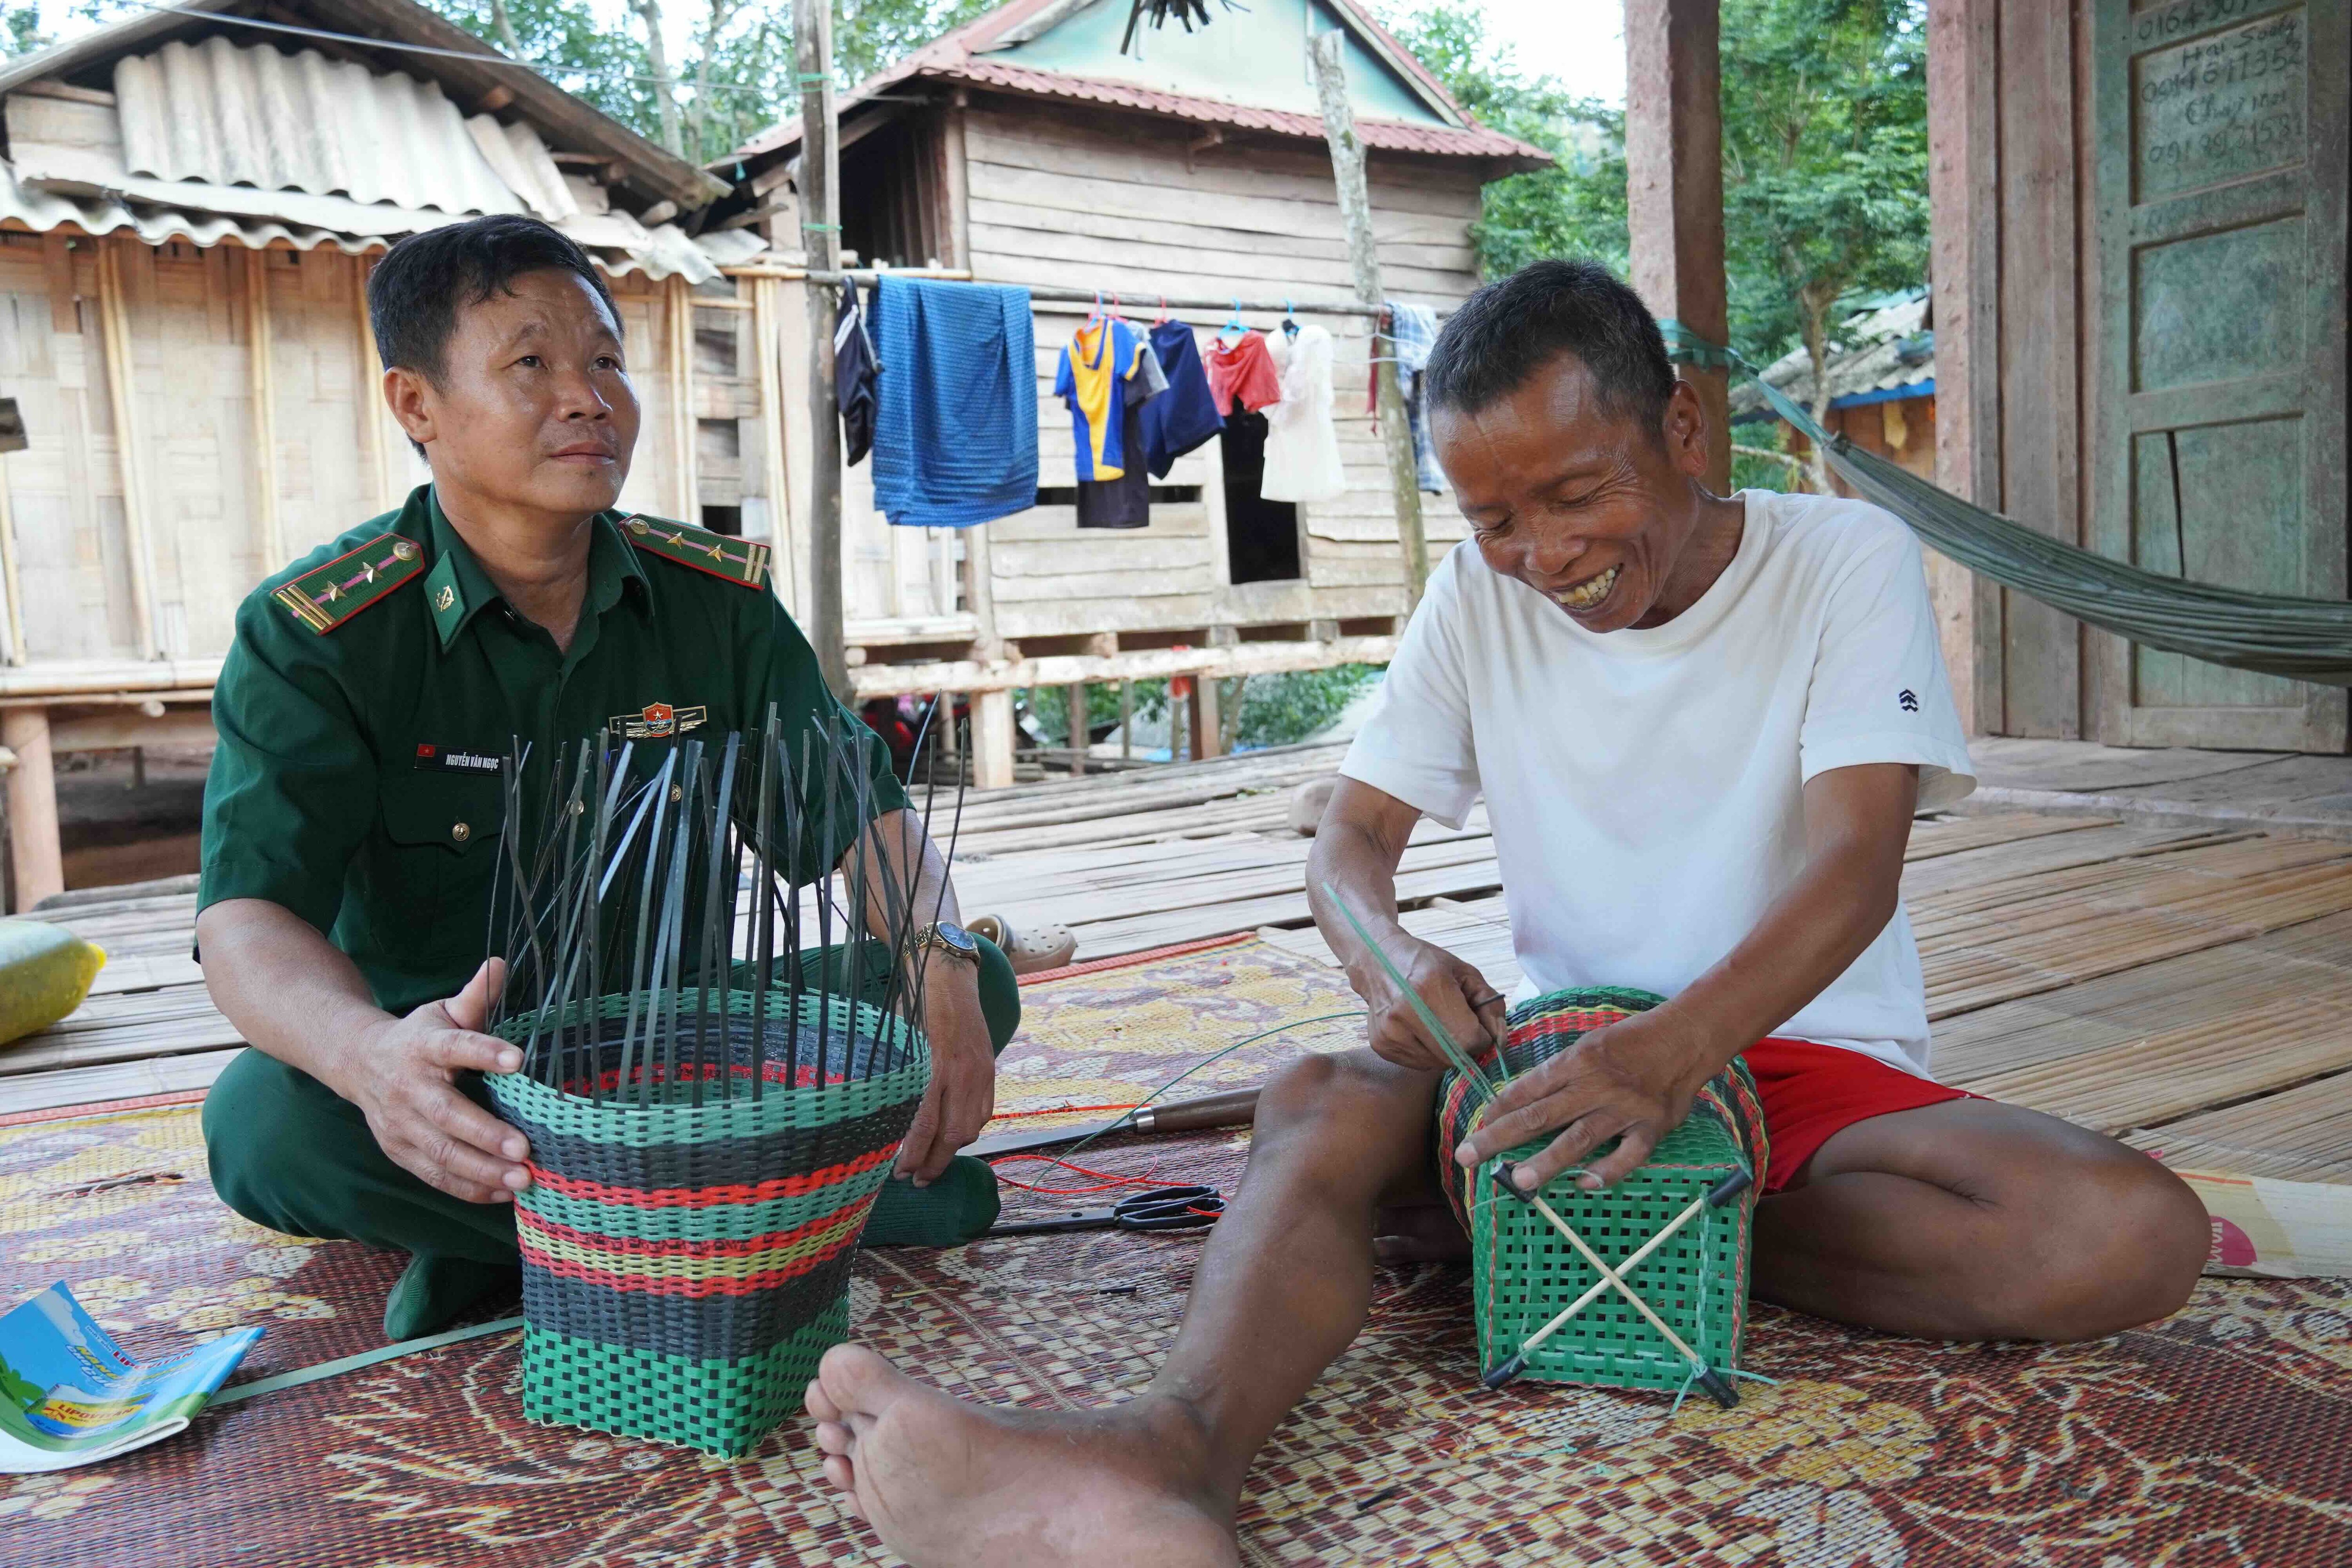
1244,371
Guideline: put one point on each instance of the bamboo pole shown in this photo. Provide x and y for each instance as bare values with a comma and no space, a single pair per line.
265,410
767,295
15,650
819,193
682,391
114,332
371,399
1364,261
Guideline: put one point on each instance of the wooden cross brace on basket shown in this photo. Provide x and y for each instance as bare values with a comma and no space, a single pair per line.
1718,1387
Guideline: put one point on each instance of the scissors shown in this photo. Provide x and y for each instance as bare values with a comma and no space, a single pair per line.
1163,1208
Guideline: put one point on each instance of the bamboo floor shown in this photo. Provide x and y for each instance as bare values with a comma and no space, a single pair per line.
2184,984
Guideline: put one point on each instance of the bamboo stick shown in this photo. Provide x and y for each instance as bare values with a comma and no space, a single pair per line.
114,336
373,410
16,650
261,347
681,391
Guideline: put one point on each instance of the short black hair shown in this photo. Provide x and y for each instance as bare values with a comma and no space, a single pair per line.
1508,331
416,291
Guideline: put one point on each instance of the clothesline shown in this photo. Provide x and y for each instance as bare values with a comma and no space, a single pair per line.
1057,294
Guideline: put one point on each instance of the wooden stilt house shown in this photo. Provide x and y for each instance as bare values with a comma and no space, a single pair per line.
1027,147
189,204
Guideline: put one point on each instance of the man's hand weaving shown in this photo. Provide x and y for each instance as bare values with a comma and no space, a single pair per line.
1633,1080
403,1074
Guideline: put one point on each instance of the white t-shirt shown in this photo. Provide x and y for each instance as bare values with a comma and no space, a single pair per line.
1644,785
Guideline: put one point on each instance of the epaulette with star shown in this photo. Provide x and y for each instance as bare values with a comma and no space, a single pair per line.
325,598
739,561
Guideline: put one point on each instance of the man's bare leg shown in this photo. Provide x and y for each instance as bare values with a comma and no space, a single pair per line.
1282,1288
1970,1220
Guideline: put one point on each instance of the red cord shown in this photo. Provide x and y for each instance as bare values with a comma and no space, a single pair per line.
1106,1181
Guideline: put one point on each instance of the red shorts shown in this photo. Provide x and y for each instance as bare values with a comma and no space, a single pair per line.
1811,1092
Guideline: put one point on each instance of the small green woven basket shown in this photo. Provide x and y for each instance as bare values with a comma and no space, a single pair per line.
686,1265
1525,1273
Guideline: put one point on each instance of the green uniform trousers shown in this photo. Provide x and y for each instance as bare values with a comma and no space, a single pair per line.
288,1153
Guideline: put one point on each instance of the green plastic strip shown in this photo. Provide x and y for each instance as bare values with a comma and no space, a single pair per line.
342,1364
1685,346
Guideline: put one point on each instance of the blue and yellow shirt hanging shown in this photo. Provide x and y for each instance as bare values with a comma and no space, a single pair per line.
1092,379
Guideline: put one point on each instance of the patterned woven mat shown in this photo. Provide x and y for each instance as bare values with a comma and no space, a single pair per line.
2222,1436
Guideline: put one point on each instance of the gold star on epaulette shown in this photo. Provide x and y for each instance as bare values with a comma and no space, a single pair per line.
737,561
325,598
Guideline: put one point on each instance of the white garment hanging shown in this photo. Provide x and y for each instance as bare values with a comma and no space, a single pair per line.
1302,444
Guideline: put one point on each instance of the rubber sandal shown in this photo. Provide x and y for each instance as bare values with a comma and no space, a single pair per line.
1046,945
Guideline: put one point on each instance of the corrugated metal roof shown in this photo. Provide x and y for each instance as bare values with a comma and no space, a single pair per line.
618,243
214,142
42,211
470,68
223,115
1474,141
957,56
1876,354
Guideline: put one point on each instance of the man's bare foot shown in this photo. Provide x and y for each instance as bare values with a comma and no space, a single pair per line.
942,1481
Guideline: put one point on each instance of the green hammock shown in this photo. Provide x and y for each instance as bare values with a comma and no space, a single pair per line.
2303,639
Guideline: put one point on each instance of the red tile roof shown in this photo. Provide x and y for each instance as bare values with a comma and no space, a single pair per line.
958,56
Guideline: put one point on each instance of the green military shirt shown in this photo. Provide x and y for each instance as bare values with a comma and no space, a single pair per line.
375,685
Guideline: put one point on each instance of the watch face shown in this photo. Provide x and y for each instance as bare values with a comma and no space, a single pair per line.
956,937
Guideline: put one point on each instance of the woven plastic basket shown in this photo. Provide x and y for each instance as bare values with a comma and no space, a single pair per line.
685,1265
1525,1273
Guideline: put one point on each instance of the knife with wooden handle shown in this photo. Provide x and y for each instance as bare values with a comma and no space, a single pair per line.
1233,1108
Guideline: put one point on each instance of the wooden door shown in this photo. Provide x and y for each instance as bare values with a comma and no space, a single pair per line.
2219,131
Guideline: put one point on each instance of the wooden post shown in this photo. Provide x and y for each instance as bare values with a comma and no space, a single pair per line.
15,650
1364,262
1207,723
992,740
1674,162
821,236
767,297
681,392
1074,697
114,332
1127,720
34,851
1964,213
272,540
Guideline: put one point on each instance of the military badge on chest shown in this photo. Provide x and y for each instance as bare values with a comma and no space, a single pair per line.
656,721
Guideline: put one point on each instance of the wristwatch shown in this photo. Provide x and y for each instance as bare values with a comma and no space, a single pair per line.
948,938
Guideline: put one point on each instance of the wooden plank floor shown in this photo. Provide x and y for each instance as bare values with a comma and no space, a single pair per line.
2187,986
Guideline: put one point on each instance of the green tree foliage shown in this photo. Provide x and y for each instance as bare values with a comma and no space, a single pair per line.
1255,710
1575,208
1824,166
869,36
20,30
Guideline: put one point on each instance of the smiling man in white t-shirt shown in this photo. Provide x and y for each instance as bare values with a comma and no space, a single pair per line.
1701,726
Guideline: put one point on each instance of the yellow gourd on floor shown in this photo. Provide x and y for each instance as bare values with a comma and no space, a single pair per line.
45,971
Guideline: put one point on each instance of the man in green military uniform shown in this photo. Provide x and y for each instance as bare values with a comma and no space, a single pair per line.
353,817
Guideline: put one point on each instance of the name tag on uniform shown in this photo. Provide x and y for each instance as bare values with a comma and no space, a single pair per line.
450,760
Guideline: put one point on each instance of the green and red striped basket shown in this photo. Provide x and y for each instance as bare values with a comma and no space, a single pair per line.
686,1258
1524,1273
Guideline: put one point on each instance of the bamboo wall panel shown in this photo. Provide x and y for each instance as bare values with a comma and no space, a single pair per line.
318,382
189,328
65,489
